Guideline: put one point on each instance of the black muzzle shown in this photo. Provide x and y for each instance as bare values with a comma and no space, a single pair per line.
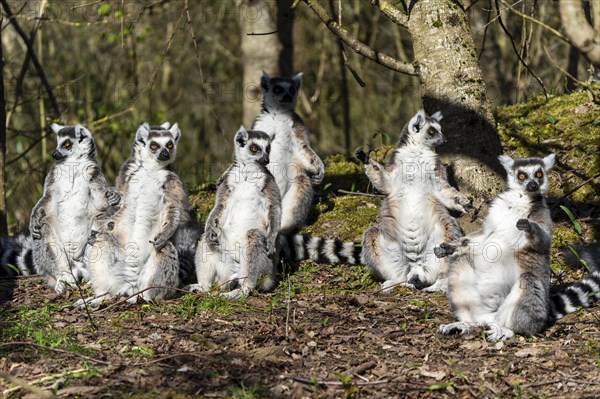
532,186
164,155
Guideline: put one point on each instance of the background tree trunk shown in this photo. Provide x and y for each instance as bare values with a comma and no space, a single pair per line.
266,28
584,35
3,221
452,82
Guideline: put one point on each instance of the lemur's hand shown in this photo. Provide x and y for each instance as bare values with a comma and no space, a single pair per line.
524,225
113,197
362,156
159,242
211,237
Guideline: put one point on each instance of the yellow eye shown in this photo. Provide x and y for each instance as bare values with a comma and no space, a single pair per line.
521,176
153,146
67,144
170,145
254,149
538,174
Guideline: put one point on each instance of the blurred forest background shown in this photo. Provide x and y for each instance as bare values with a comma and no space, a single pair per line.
114,64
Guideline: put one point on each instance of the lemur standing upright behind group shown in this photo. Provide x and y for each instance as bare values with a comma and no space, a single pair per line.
134,250
296,167
499,276
414,216
74,191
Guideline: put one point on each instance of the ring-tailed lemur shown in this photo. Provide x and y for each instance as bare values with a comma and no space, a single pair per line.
240,237
74,191
241,241
499,276
294,164
414,216
133,250
17,256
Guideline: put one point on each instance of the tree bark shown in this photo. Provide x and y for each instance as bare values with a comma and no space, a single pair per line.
266,27
3,221
452,82
583,35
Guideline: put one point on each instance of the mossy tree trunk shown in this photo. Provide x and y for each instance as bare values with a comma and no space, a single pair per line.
452,81
3,221
445,62
266,28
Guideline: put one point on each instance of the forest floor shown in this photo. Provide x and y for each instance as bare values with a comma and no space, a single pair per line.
327,331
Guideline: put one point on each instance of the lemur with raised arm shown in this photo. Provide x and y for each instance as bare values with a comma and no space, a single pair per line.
296,167
414,216
499,276
242,240
74,191
134,250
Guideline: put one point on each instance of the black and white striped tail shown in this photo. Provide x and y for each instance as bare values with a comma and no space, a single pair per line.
582,293
318,249
16,256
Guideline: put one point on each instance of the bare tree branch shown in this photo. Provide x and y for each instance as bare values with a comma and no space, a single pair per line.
390,11
514,46
358,46
536,21
33,55
582,34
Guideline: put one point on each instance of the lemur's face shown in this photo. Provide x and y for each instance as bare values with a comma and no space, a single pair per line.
158,143
252,147
424,130
72,141
280,93
528,175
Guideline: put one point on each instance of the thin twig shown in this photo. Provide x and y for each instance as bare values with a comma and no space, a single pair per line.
334,383
359,193
22,343
262,33
25,385
34,58
536,21
579,186
358,46
45,379
514,46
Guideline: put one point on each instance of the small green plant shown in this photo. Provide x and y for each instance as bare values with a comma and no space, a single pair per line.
244,392
576,224
439,387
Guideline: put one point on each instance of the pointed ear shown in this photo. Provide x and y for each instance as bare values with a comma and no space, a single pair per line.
507,162
142,132
298,80
56,127
166,125
549,162
82,133
175,131
241,137
417,121
438,116
265,81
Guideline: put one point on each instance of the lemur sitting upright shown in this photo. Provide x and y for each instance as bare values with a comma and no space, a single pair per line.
240,238
241,241
499,276
294,164
133,249
414,216
74,191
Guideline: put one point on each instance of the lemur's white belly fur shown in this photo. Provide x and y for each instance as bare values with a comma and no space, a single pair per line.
244,211
140,220
494,255
413,188
73,205
283,164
